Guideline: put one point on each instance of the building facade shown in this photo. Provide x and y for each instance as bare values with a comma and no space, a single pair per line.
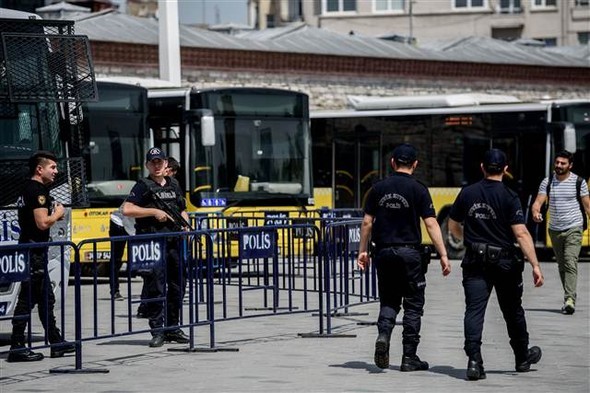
555,22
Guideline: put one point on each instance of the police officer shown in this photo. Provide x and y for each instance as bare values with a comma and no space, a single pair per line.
37,213
393,210
492,220
140,204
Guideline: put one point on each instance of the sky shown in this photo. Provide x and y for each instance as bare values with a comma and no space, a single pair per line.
216,11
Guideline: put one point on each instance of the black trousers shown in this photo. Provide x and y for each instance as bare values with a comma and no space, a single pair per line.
401,280
41,294
117,250
478,280
170,280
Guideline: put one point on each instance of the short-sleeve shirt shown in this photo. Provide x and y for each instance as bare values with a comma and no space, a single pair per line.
397,203
564,208
170,193
488,210
35,195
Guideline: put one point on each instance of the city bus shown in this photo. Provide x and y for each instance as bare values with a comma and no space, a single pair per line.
351,148
238,147
117,136
46,74
245,153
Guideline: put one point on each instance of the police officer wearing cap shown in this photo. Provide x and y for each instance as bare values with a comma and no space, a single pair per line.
393,210
493,220
149,219
37,213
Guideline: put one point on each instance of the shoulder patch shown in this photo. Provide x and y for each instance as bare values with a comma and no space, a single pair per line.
41,199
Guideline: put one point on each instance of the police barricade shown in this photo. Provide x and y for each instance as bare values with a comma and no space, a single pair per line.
105,317
343,284
266,269
40,271
300,245
274,269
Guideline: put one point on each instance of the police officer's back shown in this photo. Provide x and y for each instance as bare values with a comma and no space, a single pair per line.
393,211
493,220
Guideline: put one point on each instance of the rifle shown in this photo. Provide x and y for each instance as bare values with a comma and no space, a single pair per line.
177,219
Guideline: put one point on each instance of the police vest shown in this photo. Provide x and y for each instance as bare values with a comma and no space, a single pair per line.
167,193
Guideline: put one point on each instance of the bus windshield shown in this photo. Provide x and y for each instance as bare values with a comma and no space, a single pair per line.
116,131
262,149
267,154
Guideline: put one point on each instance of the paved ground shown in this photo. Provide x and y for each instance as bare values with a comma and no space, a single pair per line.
273,358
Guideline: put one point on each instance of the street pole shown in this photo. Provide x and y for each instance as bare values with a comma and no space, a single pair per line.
411,13
169,41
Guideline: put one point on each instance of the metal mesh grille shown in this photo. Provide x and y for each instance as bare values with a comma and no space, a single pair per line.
8,110
48,68
67,189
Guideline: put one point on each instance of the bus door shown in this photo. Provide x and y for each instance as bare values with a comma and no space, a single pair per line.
356,164
525,152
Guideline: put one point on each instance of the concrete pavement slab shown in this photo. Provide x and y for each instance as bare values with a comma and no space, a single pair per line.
273,358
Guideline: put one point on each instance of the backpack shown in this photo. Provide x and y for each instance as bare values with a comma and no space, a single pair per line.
579,181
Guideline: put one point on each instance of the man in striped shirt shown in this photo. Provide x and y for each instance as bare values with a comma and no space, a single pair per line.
567,221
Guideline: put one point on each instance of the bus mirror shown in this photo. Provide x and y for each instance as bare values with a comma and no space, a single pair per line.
569,137
205,118
207,130
564,136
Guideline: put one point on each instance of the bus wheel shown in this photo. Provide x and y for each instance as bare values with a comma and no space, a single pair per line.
455,248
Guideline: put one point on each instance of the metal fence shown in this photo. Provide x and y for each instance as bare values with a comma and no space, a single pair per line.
231,273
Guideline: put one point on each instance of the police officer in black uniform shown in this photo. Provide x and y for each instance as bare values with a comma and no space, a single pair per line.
37,213
140,204
393,210
492,220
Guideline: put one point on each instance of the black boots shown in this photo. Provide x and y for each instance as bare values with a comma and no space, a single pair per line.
382,351
177,336
409,362
475,370
61,348
157,340
413,363
20,353
532,357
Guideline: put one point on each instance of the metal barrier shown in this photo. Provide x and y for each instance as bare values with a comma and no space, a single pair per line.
15,267
145,253
342,284
299,265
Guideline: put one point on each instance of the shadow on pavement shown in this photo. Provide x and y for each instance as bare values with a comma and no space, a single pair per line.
143,343
551,310
370,367
458,373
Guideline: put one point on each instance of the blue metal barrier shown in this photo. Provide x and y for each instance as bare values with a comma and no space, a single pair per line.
344,286
192,246
15,267
254,267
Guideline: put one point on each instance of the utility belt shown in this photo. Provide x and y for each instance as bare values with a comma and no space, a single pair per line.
491,255
382,246
424,250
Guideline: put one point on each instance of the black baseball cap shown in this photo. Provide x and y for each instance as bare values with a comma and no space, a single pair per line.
154,153
494,159
405,153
